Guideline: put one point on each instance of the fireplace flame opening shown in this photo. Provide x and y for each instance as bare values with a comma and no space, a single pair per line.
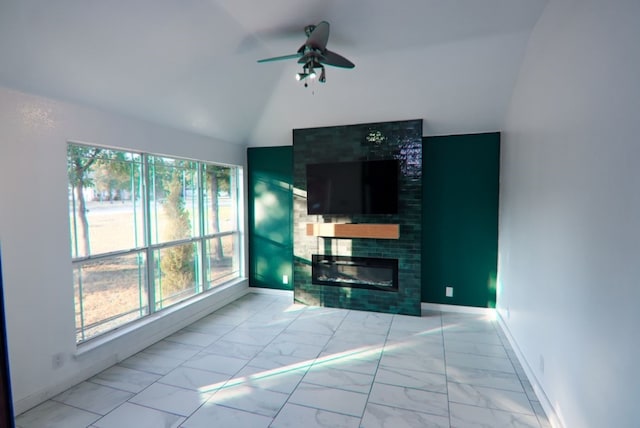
358,272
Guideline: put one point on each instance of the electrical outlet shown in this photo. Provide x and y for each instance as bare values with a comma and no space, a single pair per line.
285,279
541,364
449,291
57,360
508,313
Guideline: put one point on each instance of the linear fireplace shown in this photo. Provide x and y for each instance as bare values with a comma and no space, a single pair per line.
357,272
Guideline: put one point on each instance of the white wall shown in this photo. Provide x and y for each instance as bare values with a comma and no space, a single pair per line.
34,236
569,257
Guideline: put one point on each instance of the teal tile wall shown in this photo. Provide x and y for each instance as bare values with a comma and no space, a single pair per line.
400,140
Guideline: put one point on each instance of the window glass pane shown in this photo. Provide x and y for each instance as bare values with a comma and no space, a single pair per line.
220,199
176,273
175,209
222,260
105,200
125,207
109,292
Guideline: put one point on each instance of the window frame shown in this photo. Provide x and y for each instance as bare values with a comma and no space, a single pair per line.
150,246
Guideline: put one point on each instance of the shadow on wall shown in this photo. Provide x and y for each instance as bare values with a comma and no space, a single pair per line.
271,240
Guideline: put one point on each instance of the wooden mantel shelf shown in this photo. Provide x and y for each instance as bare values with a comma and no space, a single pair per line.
354,230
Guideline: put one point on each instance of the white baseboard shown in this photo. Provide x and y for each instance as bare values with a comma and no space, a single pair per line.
102,353
272,291
554,420
460,309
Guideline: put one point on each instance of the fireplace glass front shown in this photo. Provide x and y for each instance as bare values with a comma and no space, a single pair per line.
357,272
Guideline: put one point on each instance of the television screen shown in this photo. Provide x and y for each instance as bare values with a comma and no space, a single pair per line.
367,187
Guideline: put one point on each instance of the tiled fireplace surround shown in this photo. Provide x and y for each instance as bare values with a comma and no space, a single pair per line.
401,140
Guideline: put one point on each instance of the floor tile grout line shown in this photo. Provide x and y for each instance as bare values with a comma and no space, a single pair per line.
490,387
317,409
119,389
446,372
475,355
133,394
507,345
182,365
247,365
515,372
335,330
308,367
72,406
226,381
422,412
228,407
146,407
509,412
375,374
231,377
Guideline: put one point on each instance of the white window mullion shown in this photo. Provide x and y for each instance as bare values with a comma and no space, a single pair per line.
151,262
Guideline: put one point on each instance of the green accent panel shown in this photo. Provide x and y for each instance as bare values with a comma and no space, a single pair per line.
270,211
460,218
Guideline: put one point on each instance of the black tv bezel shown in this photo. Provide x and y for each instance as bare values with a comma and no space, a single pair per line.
342,164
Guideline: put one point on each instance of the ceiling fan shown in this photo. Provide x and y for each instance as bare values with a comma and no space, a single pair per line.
314,55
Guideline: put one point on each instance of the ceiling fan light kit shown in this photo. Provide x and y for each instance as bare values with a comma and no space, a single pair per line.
314,55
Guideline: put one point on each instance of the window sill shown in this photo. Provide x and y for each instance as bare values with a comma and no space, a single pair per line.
180,310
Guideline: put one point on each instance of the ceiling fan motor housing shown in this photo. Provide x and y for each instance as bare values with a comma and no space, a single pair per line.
313,54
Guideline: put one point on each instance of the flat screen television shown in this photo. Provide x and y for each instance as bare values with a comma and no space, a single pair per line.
364,187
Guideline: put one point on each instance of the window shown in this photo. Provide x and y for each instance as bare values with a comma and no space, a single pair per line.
147,232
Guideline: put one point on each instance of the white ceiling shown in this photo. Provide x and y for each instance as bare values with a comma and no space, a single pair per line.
191,64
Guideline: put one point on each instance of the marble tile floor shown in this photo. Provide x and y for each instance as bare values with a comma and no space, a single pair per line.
264,362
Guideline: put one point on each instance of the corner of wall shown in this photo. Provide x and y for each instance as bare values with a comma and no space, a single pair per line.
114,348
537,386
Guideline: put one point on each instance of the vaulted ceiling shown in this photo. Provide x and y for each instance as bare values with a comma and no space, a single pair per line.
191,64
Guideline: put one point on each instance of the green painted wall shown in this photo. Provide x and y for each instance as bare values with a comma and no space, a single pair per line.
460,218
459,226
270,212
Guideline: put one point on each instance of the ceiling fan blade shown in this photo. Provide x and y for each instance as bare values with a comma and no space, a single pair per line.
332,58
281,58
319,36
